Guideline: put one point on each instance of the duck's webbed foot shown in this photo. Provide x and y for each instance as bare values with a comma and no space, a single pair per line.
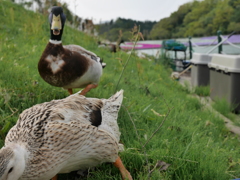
124,172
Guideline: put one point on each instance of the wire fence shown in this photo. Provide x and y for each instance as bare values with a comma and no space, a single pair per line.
213,45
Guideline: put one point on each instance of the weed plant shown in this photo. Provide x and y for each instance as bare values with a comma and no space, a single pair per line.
158,120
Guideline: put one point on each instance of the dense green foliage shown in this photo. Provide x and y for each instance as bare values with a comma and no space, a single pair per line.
191,139
196,18
199,18
110,30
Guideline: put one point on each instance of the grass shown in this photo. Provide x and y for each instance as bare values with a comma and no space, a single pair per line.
158,120
202,90
226,109
222,106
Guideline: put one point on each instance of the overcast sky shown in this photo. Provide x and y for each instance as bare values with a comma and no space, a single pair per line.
105,10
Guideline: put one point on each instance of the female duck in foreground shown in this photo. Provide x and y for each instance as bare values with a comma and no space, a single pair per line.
61,136
69,66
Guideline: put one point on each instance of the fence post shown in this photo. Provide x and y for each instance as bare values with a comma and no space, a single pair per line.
190,46
219,40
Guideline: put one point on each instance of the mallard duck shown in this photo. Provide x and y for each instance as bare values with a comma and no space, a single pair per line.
111,46
69,66
61,136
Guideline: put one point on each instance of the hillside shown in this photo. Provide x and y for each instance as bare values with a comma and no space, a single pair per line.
159,120
199,18
196,19
110,30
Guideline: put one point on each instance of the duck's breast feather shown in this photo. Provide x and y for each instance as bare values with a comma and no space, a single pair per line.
64,68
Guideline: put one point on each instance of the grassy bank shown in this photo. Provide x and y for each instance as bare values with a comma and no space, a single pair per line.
158,120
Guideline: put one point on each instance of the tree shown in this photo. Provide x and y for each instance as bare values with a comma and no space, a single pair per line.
222,16
233,26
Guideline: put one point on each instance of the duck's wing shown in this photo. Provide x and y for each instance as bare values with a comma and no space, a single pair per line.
75,108
84,110
82,51
80,144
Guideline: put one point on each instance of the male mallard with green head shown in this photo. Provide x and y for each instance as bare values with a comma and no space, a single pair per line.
69,66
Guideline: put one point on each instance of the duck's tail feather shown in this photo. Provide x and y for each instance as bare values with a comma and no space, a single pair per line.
109,112
102,63
117,98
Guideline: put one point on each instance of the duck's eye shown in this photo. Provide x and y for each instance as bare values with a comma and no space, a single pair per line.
10,170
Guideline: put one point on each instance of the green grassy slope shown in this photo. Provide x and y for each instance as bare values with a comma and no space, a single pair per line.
191,139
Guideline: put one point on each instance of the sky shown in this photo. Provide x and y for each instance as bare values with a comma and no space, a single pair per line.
140,10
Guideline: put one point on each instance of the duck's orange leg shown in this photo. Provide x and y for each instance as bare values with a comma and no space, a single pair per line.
124,172
70,91
88,88
54,178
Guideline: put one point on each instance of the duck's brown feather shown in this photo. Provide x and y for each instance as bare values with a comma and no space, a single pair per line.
59,66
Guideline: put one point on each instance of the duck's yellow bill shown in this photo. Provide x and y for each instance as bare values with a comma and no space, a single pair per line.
56,24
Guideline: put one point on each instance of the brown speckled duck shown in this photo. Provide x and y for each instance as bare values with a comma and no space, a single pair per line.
69,66
61,136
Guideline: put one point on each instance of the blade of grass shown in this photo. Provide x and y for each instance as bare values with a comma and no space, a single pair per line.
125,65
